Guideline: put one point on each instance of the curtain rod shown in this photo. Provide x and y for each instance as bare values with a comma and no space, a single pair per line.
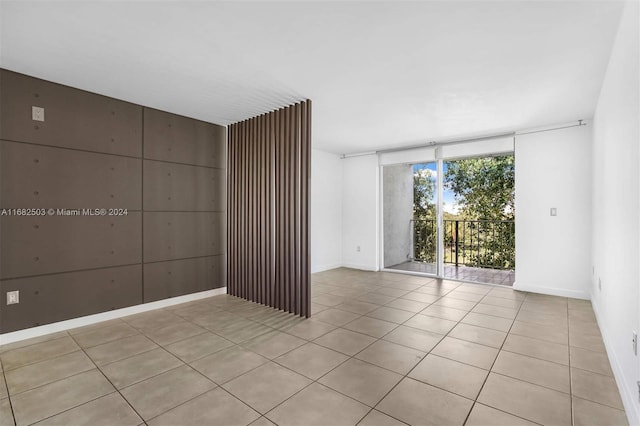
466,140
567,126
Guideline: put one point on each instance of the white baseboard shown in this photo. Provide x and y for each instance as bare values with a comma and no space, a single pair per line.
29,333
362,267
322,268
627,391
552,291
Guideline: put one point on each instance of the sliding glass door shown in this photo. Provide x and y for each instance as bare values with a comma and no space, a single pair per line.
410,219
452,218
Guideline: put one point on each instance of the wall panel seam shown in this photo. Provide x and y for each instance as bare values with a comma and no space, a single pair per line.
180,164
19,277
71,149
142,201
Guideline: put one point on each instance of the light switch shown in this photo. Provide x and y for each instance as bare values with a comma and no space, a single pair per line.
37,113
13,297
554,211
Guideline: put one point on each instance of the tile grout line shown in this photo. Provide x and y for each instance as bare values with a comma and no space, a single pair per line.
42,360
204,331
188,364
420,313
406,375
110,382
80,348
210,390
58,380
316,381
76,406
4,351
350,357
443,337
184,364
475,401
570,372
52,382
221,385
6,388
428,352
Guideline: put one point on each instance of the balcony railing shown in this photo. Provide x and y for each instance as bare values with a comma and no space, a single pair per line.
475,243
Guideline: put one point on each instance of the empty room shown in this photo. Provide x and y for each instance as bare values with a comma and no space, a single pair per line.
319,213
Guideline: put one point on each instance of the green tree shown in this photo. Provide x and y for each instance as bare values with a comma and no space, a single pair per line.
483,187
485,190
424,187
424,215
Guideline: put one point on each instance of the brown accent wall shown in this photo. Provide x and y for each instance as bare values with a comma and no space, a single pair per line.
268,204
95,152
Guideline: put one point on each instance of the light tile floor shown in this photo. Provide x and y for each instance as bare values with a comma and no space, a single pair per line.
381,349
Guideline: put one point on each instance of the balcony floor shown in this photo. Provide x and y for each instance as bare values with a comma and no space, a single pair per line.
464,273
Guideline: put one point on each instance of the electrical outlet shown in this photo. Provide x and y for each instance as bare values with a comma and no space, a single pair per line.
635,343
37,113
357,248
553,211
13,297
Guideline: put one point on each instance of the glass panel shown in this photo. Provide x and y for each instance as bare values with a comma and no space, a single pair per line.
410,227
397,214
424,222
479,219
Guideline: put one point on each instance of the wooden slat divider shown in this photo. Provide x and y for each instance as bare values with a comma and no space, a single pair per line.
268,209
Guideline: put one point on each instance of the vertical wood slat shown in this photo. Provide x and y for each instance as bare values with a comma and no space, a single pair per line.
263,209
239,218
306,246
230,224
280,143
240,206
286,183
268,209
275,118
298,206
232,249
252,210
292,206
259,186
243,212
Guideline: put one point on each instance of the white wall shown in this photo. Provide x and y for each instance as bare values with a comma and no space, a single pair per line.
553,254
616,187
326,211
360,221
397,196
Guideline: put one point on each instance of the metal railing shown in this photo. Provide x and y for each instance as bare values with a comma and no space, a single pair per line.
476,243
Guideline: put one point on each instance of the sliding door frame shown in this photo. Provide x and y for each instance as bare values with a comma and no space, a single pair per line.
439,160
439,236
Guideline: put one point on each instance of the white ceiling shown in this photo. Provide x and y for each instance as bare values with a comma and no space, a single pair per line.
380,74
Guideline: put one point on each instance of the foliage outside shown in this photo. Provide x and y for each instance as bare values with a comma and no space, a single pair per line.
484,191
